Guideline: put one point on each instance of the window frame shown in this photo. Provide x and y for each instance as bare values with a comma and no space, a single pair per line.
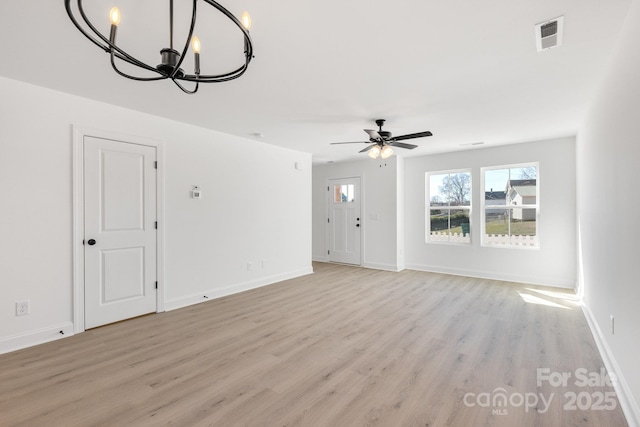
484,206
428,208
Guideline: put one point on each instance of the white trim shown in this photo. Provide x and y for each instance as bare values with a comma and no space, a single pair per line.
38,336
529,280
382,266
234,289
78,215
627,403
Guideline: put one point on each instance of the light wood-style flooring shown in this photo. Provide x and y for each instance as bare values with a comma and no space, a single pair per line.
344,346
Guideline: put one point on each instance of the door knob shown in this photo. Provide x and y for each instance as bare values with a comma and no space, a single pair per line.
91,242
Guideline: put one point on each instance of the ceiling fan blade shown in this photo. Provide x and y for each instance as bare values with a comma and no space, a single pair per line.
354,142
368,148
403,145
412,135
373,134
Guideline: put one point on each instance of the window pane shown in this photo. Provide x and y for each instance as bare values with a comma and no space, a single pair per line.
439,225
344,193
459,229
523,227
438,190
450,189
337,194
449,225
459,185
511,226
496,222
495,184
522,192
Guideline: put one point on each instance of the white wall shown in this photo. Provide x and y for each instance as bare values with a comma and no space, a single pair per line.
553,264
608,157
379,209
256,206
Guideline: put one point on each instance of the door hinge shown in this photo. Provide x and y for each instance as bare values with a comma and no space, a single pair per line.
156,225
155,164
328,220
328,252
156,285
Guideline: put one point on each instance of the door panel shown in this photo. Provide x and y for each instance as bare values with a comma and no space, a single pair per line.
123,184
122,274
344,220
119,218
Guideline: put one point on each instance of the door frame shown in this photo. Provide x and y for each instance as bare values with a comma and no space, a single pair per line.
327,228
78,215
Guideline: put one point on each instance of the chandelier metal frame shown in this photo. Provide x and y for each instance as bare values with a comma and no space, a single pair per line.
171,58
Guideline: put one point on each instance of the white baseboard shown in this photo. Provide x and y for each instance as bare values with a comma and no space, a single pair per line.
625,397
233,289
38,336
381,266
319,258
542,281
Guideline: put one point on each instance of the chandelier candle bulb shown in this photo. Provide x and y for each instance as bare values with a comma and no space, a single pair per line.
246,20
115,16
195,45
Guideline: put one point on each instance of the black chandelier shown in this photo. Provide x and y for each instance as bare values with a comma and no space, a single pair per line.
171,59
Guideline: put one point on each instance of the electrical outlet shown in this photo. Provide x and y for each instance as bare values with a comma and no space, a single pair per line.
249,266
613,324
22,308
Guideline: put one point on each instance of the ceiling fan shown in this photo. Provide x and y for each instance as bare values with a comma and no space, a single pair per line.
381,141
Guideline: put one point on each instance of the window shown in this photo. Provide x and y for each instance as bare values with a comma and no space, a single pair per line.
343,193
510,206
448,207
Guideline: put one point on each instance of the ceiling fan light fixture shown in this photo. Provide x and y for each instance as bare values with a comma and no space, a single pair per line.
171,58
380,141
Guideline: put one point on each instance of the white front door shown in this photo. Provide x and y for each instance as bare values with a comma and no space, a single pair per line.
119,230
344,223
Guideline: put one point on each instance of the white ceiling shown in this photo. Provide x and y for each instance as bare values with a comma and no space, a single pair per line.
466,70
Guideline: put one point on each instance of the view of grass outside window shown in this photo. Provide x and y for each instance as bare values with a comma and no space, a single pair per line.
449,207
510,206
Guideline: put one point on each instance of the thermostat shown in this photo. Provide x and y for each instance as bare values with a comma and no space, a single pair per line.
196,193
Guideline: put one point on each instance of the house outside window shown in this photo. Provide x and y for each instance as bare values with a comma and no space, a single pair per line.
510,206
448,207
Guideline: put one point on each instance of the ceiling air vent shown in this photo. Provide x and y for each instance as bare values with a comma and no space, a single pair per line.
549,34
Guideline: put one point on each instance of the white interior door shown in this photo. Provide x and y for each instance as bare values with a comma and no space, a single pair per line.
119,230
344,223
